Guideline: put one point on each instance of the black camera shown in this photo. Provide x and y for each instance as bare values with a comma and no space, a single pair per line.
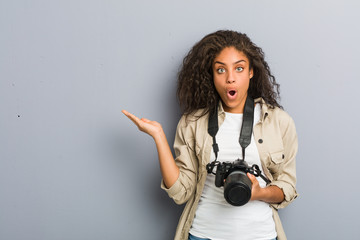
237,185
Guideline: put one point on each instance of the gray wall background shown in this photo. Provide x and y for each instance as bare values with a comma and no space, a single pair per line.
73,167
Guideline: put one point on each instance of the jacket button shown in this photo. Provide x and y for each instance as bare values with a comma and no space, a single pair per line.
260,140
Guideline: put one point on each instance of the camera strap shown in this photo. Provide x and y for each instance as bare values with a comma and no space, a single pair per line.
213,128
246,128
247,124
245,133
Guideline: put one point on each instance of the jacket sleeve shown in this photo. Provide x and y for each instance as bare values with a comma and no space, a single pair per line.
186,160
285,179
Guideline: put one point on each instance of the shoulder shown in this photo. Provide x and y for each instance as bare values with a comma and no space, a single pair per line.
282,119
193,126
270,111
280,114
275,116
195,118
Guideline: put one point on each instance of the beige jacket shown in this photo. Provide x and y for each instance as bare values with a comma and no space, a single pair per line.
276,140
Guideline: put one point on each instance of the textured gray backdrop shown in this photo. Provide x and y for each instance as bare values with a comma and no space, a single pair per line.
73,167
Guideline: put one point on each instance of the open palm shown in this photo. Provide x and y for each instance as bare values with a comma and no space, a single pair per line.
145,125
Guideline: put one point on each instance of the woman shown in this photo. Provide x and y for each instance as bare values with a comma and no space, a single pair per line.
219,74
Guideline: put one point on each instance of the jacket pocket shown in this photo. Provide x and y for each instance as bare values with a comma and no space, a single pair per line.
277,157
277,160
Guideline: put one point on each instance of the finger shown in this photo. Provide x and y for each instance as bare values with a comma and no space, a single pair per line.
132,117
127,113
252,177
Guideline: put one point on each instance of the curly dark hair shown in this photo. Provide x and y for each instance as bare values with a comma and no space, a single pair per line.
196,89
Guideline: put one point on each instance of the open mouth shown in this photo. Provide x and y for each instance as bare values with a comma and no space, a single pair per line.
232,92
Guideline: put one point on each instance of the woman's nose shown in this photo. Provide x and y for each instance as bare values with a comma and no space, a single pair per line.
230,78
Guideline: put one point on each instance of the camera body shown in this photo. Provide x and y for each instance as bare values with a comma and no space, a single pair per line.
237,185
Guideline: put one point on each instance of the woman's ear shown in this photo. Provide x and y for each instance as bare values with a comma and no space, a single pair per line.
251,73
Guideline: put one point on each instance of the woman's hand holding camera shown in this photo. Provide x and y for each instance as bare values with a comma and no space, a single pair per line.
269,194
255,189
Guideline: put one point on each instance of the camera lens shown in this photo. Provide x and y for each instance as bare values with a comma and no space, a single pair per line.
237,188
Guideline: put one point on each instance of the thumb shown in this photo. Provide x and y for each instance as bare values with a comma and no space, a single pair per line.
252,177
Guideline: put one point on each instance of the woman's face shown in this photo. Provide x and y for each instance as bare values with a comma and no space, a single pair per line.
231,78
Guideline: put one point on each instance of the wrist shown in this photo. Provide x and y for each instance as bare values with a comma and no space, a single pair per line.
269,194
158,135
259,194
263,194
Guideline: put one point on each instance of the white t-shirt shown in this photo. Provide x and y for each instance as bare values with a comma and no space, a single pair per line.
217,219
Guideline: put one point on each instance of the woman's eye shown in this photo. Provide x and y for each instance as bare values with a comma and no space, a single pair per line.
221,70
239,69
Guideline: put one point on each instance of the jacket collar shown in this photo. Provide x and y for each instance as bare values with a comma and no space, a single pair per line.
264,108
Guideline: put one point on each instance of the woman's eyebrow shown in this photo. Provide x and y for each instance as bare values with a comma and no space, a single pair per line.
234,62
